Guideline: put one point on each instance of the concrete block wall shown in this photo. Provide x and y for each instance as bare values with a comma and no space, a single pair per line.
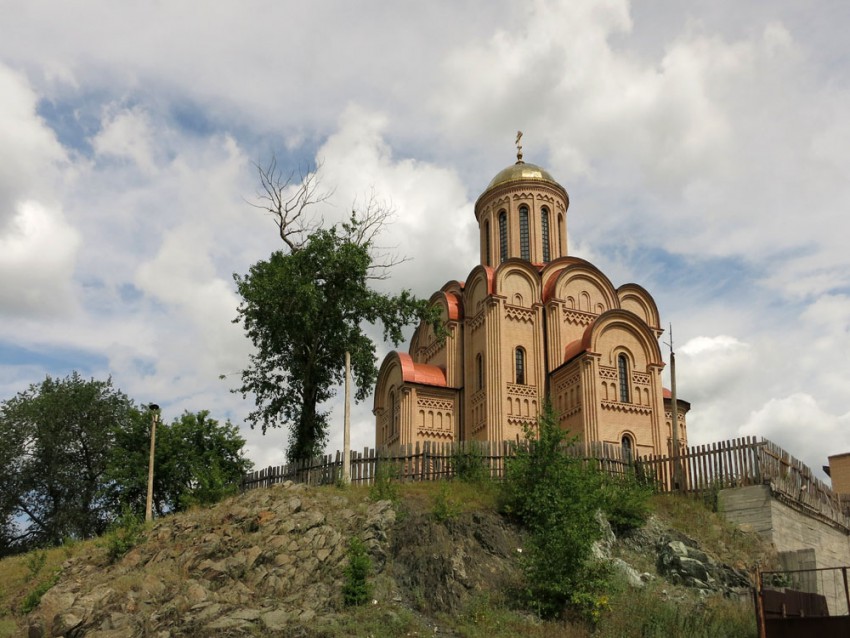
795,535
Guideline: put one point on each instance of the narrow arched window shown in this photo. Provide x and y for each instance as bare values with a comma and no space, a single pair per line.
479,372
487,243
628,448
393,413
623,369
519,364
544,232
503,236
523,232
561,250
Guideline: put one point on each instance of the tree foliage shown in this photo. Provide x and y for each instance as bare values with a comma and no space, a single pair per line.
58,436
306,305
197,461
75,455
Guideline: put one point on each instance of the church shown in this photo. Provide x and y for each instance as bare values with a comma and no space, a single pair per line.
530,321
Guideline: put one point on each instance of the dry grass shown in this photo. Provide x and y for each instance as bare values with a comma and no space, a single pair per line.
716,535
21,575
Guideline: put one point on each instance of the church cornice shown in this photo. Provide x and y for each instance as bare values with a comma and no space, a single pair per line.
629,408
529,187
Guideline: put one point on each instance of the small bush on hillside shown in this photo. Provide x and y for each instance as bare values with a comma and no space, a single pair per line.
625,501
35,561
356,589
385,487
127,532
444,508
555,497
33,598
469,464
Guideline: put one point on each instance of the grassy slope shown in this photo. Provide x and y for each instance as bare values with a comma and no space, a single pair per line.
657,610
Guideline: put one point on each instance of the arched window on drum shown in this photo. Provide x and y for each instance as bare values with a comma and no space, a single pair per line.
524,251
544,233
624,378
503,236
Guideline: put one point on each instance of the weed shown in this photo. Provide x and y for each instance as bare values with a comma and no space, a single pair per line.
356,590
35,561
125,534
385,487
444,508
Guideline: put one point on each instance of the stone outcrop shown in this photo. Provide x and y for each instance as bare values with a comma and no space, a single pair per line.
268,561
271,562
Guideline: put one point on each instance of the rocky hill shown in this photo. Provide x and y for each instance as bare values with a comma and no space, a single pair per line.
271,562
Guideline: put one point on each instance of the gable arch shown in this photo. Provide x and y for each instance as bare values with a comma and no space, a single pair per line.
390,377
640,343
517,277
450,304
585,282
479,285
636,299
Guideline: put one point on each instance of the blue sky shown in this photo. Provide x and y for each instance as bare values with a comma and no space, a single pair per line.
704,146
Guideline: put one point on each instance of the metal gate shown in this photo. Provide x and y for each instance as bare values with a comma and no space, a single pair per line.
802,603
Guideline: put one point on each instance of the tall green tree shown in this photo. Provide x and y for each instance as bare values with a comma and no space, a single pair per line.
57,440
303,310
306,305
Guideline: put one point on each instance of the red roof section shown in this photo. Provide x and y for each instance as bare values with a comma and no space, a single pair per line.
423,373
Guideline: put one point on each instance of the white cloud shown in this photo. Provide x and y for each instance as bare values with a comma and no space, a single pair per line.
30,150
127,134
37,256
802,427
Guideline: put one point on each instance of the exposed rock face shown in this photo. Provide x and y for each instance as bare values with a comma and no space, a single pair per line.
271,562
437,565
683,563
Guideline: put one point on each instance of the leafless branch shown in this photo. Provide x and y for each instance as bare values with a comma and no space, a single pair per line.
288,201
371,219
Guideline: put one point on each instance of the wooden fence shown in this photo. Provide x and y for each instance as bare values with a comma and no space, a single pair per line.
704,468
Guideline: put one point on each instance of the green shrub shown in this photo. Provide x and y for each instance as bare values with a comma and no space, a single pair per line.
32,599
556,498
356,589
385,487
127,532
469,464
625,501
35,561
444,508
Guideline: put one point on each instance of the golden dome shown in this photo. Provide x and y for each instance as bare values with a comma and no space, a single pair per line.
521,171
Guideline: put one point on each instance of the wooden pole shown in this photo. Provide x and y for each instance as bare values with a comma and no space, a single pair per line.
346,427
154,410
678,483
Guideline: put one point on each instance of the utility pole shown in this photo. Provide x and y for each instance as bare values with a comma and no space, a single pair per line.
678,484
346,424
154,410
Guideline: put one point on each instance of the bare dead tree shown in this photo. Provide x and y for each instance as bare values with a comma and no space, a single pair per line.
367,222
288,201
